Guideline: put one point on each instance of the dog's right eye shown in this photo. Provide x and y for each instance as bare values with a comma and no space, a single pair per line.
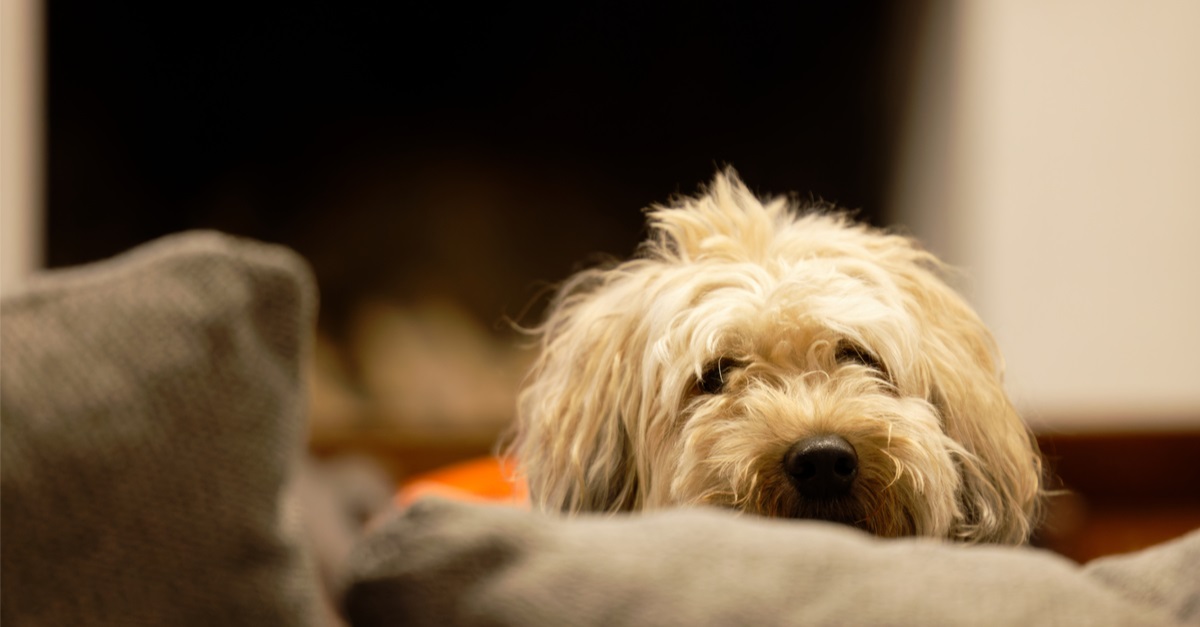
712,380
850,353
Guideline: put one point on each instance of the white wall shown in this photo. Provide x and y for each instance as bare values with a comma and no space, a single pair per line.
1053,152
20,152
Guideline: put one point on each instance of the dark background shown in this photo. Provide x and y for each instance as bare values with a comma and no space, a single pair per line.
415,150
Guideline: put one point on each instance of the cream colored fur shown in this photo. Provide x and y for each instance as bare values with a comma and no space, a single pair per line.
612,417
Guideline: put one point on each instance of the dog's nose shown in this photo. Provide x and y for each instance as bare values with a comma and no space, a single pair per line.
822,466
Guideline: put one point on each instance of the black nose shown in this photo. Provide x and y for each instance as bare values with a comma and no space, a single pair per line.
822,466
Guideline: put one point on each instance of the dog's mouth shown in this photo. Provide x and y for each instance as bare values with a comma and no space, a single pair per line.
823,478
843,510
777,497
875,514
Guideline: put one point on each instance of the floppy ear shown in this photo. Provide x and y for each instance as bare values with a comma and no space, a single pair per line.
575,437
591,402
1000,465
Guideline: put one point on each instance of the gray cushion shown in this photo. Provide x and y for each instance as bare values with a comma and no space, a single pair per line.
444,563
152,414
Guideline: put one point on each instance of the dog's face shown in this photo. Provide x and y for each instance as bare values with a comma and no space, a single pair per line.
779,364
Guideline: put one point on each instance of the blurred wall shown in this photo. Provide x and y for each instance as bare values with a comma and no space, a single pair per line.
1053,153
20,154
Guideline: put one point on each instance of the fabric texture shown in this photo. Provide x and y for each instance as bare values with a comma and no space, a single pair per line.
446,563
153,414
1166,576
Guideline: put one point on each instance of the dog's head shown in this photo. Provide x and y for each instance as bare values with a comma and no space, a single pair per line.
777,362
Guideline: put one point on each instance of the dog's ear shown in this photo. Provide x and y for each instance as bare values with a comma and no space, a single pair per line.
574,437
963,373
583,419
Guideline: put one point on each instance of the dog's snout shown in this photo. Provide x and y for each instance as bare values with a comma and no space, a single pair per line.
822,466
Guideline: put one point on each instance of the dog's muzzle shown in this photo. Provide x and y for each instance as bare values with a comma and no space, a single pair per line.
822,467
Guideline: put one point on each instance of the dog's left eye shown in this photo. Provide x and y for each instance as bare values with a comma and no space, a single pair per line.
712,380
851,353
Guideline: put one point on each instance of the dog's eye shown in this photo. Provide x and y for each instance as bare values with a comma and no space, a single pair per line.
851,353
712,380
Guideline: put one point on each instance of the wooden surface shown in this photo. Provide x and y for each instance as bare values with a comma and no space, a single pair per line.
1120,492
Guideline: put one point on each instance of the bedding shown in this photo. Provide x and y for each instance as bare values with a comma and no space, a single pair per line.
153,472
443,562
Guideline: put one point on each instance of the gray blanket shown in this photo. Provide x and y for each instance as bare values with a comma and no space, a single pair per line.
444,563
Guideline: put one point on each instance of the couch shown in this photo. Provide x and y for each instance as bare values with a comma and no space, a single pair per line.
153,472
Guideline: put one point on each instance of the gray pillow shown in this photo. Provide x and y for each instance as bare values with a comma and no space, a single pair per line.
153,414
444,563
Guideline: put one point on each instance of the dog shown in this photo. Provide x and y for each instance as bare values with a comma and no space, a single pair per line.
781,361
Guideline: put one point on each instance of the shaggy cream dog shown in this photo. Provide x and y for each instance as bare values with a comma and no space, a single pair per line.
777,362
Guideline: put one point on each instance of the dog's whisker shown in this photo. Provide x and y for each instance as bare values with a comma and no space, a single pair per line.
895,464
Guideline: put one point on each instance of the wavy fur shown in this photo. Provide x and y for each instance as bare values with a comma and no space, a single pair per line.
610,418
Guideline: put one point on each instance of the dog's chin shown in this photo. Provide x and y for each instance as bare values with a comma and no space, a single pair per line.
845,510
857,509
